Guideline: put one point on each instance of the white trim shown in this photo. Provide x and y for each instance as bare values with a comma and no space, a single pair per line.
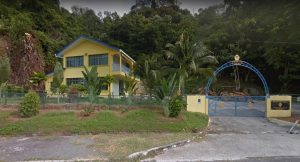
127,56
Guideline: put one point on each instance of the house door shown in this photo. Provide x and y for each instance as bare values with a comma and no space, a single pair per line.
115,88
121,87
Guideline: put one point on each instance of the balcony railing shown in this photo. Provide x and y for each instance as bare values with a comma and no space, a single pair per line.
116,67
125,69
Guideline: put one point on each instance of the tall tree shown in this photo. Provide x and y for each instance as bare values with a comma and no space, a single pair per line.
188,57
92,83
58,78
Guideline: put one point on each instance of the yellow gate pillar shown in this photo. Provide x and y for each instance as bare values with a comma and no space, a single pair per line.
197,103
279,106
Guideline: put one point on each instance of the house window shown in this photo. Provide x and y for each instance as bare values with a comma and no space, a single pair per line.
75,61
104,87
71,81
99,59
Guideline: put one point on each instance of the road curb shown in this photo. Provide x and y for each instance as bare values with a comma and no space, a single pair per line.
282,122
159,148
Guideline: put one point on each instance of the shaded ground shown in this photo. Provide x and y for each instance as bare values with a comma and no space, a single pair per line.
242,139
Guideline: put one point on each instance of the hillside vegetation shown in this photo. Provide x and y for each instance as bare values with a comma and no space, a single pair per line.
265,34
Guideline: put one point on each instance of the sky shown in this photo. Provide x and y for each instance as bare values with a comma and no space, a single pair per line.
123,6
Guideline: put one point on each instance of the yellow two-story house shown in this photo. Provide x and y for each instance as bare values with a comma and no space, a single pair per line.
85,51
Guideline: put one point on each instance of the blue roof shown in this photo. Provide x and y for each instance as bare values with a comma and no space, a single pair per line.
60,53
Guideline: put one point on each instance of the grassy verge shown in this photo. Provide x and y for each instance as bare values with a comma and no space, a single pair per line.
67,123
119,146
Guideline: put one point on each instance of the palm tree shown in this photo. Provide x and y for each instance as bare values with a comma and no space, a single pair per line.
189,58
149,75
109,79
37,78
92,83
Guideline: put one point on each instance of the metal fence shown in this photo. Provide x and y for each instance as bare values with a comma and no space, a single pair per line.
16,98
296,104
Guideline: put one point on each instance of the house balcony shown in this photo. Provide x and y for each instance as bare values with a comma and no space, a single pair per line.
117,68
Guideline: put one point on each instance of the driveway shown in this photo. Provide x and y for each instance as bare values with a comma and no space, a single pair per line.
241,139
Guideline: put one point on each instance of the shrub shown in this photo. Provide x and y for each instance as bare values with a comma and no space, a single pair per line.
175,106
88,111
72,93
29,105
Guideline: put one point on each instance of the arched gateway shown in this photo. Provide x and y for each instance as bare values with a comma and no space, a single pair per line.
237,105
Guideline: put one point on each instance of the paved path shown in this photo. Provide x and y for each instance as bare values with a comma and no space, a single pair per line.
47,148
242,139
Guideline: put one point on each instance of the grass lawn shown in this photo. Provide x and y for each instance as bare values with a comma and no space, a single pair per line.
119,146
104,121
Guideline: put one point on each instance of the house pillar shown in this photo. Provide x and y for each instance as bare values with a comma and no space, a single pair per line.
120,62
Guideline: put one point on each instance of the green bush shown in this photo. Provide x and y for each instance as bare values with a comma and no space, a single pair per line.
88,111
10,88
29,105
175,106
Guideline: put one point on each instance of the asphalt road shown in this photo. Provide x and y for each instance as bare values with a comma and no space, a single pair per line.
239,139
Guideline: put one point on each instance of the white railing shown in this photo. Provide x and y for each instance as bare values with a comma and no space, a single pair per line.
116,67
125,69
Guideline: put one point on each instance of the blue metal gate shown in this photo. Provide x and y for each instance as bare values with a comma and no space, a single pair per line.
246,106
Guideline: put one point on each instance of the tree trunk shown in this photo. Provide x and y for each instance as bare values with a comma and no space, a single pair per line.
181,84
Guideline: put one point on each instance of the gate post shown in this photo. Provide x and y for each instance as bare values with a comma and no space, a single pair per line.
278,106
197,103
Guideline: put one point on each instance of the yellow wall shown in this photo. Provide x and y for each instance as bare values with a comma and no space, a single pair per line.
194,105
48,83
278,113
85,48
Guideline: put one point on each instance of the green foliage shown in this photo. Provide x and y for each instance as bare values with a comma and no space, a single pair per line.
10,88
92,83
176,104
4,69
29,105
188,57
130,84
62,89
103,122
166,88
87,111
18,24
81,88
149,74
58,77
262,33
37,78
108,80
